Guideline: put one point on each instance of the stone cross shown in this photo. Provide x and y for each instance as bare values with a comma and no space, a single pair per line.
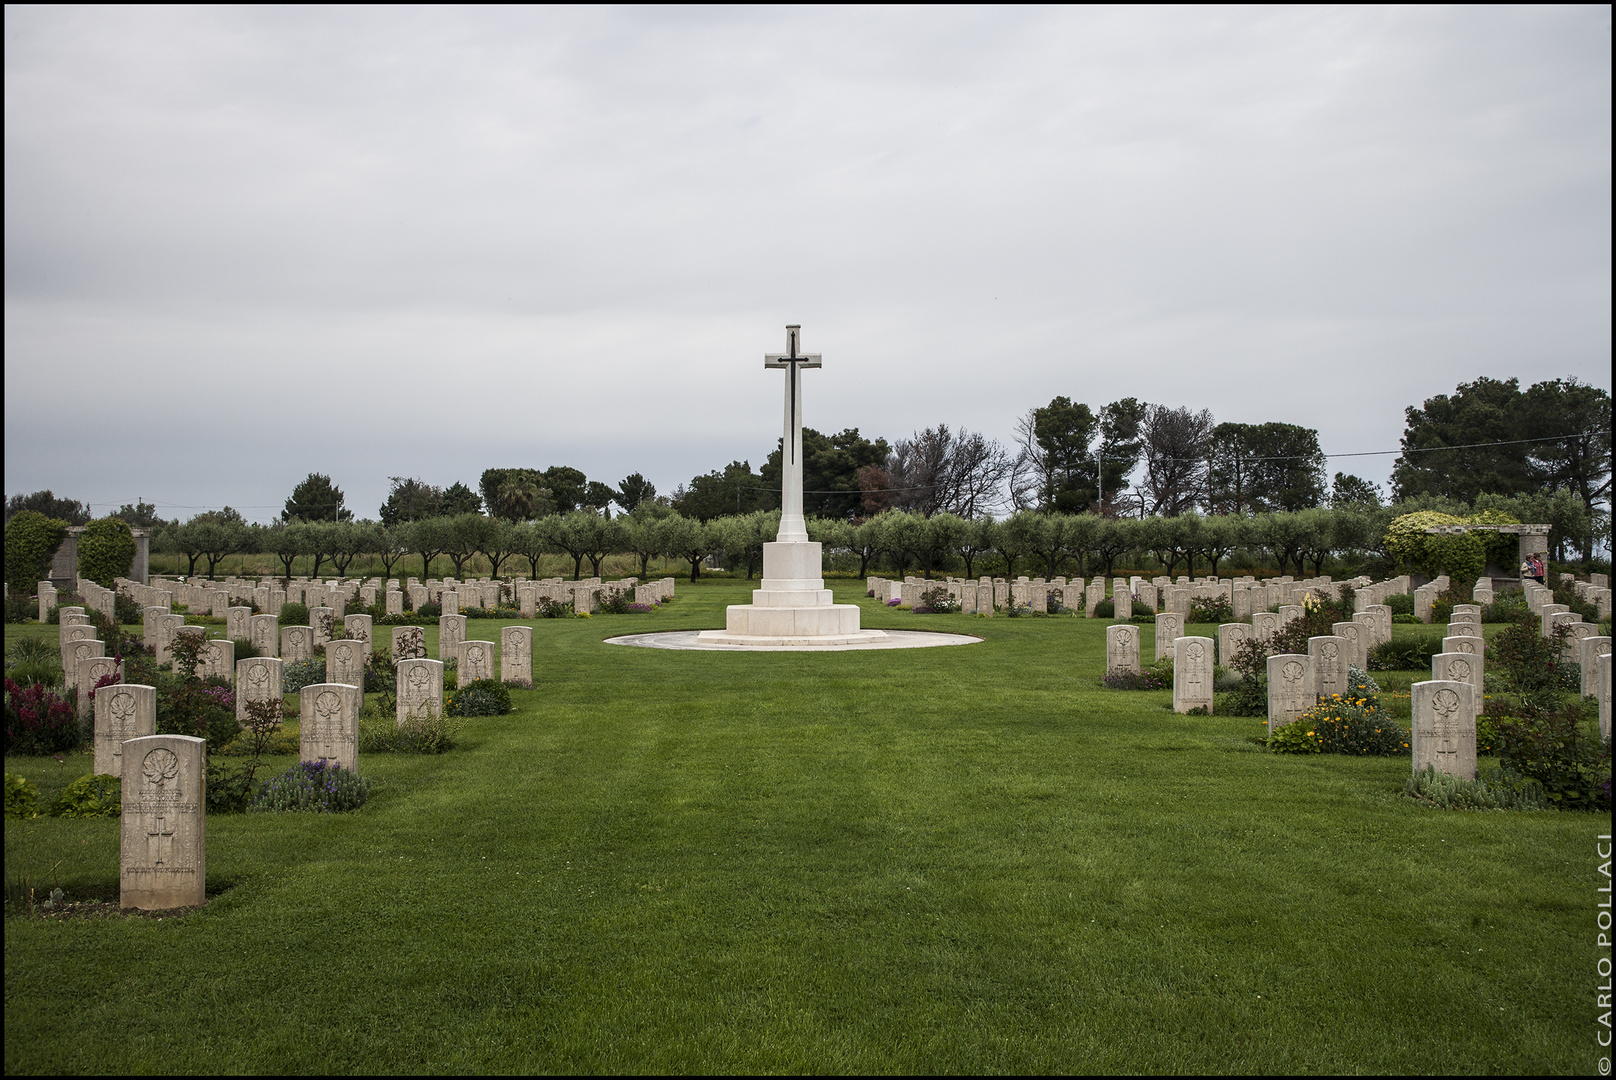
793,529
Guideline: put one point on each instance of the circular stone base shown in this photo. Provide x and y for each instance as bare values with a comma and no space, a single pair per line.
718,641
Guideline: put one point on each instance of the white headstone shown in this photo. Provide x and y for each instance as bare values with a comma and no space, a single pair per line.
329,727
162,855
420,688
1192,674
122,712
1444,727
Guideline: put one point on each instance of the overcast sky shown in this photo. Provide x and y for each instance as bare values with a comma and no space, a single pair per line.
247,244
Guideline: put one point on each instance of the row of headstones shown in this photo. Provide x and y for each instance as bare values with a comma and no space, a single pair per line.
1540,601
1244,595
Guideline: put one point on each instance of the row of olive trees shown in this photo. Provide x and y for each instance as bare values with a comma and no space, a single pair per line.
1047,543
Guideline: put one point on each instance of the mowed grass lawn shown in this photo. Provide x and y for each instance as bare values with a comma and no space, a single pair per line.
935,860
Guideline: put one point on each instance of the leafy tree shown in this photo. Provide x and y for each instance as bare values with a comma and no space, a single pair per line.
316,499
531,541
1485,411
632,491
1018,536
458,500
1053,468
1354,491
285,541
514,494
182,539
940,540
219,533
742,536
975,541
351,539
1113,538
48,505
428,538
1219,536
463,537
410,500
598,497
1252,468
31,539
875,489
644,534
830,472
387,546
1121,444
142,515
584,534
736,490
1286,535
566,487
497,542
1082,536
690,539
1578,460
106,550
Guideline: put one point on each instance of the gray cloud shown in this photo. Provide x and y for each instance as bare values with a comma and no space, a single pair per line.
242,245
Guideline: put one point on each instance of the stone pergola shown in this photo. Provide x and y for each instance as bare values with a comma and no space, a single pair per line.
1534,538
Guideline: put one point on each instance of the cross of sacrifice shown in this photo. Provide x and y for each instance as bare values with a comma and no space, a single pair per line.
794,361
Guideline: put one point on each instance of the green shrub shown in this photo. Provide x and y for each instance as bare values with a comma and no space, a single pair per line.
1105,609
293,615
22,797
1400,603
106,550
1408,620
1446,792
937,601
1295,738
31,539
1409,654
379,730
311,787
551,608
1212,609
1506,608
245,649
126,612
1557,750
484,697
300,673
91,795
430,610
21,607
1356,726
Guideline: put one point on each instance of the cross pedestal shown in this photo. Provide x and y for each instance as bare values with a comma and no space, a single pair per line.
793,607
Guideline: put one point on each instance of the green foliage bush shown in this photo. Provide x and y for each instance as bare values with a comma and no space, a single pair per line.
90,796
106,550
22,797
430,610
1213,609
31,539
484,697
293,614
1558,750
1446,792
34,662
1506,608
1406,654
125,611
937,601
1400,603
551,608
300,673
21,607
245,649
311,787
1356,726
1295,738
379,730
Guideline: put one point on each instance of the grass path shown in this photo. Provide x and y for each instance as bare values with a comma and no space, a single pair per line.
951,860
